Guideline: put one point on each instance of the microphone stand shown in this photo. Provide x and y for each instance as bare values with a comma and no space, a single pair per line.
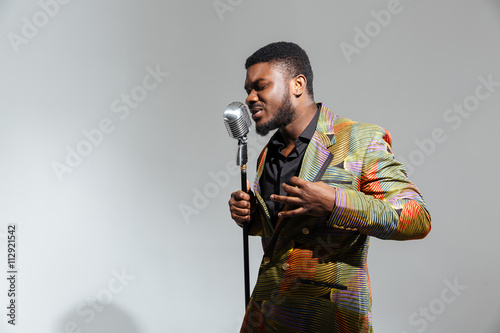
241,160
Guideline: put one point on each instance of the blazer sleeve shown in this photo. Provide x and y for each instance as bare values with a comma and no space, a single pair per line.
388,205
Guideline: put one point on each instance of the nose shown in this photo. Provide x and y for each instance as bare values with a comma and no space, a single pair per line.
252,97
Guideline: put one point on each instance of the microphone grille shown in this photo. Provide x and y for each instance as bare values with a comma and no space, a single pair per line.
237,120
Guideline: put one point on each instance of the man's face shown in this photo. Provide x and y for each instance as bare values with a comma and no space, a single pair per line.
268,97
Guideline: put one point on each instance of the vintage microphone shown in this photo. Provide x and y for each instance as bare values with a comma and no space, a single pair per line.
237,121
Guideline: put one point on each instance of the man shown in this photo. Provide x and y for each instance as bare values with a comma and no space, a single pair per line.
324,185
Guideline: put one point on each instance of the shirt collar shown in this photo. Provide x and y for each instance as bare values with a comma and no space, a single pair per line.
311,128
277,141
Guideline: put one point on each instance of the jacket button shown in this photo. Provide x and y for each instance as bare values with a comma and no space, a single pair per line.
267,260
285,266
305,231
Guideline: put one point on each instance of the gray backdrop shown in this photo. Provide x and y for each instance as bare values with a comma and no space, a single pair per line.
116,166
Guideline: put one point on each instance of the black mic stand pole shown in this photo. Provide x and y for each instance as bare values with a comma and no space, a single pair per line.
242,162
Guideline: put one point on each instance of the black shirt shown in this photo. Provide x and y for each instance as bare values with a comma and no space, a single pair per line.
279,169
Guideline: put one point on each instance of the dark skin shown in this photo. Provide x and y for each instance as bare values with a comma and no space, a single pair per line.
267,87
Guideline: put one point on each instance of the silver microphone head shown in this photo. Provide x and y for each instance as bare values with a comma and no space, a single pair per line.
237,120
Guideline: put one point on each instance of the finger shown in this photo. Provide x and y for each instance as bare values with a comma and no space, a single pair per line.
239,209
241,212
244,196
240,195
286,199
240,219
242,204
292,190
296,181
291,213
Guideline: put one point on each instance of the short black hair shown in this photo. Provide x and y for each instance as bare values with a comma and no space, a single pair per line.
289,57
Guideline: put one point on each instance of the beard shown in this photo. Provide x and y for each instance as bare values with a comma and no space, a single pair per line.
283,116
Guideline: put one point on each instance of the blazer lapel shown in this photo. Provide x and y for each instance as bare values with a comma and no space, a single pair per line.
316,158
256,188
318,154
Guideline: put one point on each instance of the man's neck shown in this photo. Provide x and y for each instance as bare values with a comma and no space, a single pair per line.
291,132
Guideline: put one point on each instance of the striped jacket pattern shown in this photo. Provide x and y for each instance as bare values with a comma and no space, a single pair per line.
313,276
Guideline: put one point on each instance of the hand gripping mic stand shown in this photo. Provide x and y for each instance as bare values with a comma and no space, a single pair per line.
241,160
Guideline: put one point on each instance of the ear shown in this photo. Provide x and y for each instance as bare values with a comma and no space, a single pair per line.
298,85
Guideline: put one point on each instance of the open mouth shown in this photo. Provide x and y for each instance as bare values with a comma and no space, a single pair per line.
256,113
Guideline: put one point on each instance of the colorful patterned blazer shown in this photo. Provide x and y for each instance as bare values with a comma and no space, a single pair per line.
313,276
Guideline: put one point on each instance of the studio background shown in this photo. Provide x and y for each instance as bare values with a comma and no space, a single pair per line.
116,166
